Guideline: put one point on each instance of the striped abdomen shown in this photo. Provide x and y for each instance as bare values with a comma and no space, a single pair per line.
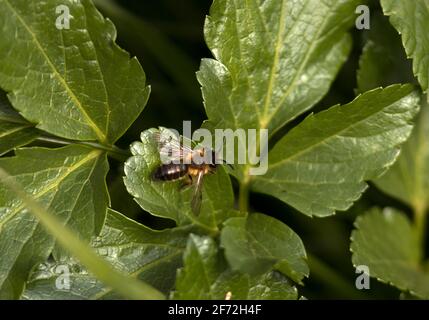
170,171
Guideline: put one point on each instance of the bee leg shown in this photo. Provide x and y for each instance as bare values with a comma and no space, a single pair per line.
186,182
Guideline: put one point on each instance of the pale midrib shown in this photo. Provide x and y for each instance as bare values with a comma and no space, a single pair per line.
51,186
101,136
309,148
9,132
103,81
271,82
298,72
240,57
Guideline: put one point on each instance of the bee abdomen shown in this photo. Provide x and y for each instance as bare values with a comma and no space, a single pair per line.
170,172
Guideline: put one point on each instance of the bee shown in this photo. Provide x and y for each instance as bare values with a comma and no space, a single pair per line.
185,166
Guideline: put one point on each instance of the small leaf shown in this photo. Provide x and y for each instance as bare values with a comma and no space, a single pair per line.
151,256
387,243
70,182
14,130
383,61
322,164
205,275
411,19
258,243
75,83
165,199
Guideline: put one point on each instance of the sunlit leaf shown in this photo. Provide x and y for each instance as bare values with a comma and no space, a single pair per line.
322,164
75,83
274,60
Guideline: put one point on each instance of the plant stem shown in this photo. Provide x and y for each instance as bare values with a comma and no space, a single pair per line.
420,225
125,285
113,151
330,277
243,197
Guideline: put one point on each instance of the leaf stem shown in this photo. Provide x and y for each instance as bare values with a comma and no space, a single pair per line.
125,285
324,273
113,151
420,225
243,197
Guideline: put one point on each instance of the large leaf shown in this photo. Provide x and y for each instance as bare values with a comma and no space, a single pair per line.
258,243
165,199
205,275
411,19
151,256
388,245
14,131
70,182
322,164
75,83
275,59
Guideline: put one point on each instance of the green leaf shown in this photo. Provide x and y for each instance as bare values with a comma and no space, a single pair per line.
151,256
274,60
14,131
258,243
205,275
322,164
127,286
70,182
165,199
386,242
383,61
408,179
75,83
411,19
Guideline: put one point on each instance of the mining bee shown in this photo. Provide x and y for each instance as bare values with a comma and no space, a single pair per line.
185,166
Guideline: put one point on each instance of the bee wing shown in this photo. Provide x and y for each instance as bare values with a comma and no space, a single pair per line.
198,194
171,148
